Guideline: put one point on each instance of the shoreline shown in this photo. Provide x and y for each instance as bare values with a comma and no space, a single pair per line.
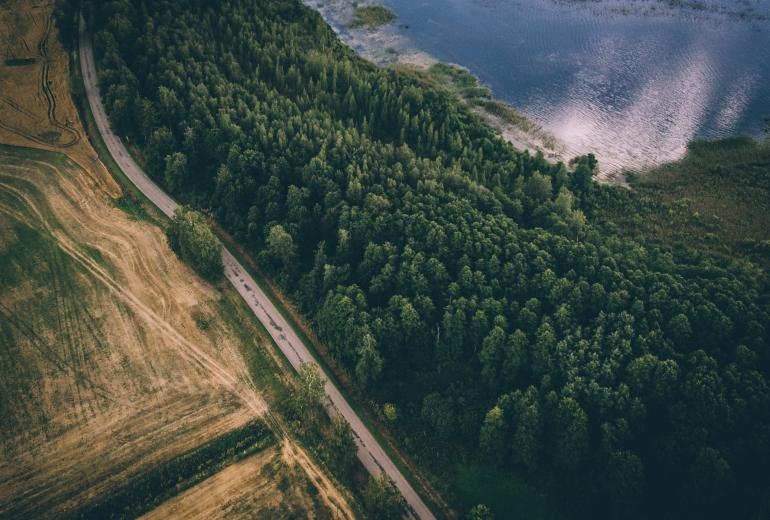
390,45
385,46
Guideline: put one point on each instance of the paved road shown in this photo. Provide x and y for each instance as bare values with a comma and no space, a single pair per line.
373,457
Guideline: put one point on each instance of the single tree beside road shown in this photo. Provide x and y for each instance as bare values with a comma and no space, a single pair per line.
382,501
191,238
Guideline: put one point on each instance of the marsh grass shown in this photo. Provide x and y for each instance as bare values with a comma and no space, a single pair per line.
716,198
371,16
466,87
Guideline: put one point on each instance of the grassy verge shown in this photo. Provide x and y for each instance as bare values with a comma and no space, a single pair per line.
274,376
163,482
134,202
255,340
371,16
132,207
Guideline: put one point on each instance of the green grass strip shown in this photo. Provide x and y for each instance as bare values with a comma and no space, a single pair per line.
163,482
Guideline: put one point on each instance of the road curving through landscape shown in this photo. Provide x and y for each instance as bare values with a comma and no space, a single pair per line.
370,452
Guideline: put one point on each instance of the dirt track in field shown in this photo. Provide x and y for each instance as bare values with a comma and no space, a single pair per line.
36,108
101,315
113,355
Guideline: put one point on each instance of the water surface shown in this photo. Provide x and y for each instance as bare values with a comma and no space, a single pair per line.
633,82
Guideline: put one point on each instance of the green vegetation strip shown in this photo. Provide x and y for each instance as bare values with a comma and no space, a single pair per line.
372,16
161,483
18,62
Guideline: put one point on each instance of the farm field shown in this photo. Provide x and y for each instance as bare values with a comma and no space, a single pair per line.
36,108
257,487
117,364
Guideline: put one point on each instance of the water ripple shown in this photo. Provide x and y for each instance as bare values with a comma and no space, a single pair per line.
633,86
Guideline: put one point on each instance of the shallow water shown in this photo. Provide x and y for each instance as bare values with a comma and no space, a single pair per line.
633,87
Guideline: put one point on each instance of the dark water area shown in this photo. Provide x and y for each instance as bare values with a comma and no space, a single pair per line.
633,82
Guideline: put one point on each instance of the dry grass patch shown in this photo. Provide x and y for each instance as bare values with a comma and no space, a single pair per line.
36,108
266,485
104,369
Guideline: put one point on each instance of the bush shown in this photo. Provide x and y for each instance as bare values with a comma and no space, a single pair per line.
191,238
382,501
372,16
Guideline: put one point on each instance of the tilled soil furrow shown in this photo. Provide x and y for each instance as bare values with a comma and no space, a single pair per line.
16,106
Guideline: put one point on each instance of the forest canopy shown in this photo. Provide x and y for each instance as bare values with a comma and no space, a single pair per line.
449,273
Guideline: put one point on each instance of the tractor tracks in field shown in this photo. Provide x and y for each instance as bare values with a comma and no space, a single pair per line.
76,325
238,385
64,135
42,48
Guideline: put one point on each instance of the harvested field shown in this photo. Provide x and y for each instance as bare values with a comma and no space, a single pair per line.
36,108
266,485
223,494
116,361
105,370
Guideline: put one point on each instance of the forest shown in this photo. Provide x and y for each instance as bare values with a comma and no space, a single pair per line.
463,281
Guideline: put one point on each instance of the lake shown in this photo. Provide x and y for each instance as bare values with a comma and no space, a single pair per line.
633,82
